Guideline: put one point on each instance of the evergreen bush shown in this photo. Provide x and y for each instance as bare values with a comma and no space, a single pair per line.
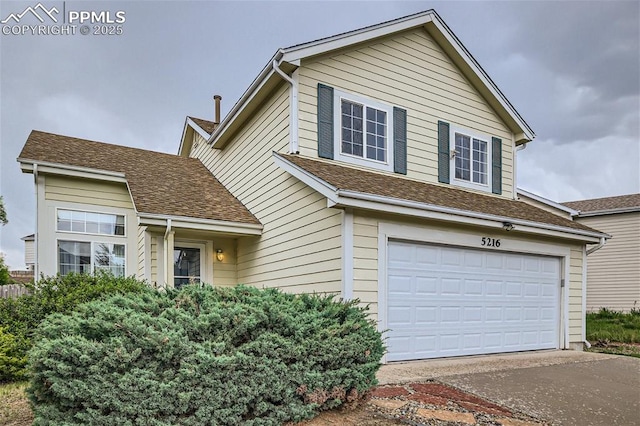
19,317
202,356
12,357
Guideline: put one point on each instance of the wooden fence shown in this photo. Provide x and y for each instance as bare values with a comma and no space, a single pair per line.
12,290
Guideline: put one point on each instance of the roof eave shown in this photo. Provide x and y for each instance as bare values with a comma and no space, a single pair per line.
345,198
185,144
608,211
193,223
218,138
466,62
27,166
292,56
296,53
431,211
548,202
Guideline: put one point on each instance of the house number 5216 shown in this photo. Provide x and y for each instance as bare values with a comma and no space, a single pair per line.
490,242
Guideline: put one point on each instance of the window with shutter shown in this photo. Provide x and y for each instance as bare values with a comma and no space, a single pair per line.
469,159
362,131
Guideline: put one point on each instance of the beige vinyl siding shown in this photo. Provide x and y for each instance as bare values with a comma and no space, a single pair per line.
86,191
80,194
575,294
613,272
29,252
365,284
411,71
224,273
153,260
141,254
365,261
300,247
543,206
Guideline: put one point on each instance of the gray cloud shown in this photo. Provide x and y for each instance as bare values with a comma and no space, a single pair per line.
570,68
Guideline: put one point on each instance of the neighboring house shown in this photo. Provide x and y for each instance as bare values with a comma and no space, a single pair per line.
613,272
376,164
29,251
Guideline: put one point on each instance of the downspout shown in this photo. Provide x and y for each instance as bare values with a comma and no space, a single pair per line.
36,266
166,253
293,108
601,244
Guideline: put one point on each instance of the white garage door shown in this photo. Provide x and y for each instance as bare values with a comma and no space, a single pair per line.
449,301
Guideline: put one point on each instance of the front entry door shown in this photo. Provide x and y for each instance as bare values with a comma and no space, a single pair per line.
187,265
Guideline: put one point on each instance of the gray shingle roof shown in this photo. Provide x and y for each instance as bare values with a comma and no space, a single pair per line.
159,183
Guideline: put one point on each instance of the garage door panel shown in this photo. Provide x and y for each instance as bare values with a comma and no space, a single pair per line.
447,301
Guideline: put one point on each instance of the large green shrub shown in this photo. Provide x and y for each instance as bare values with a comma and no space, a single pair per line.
202,356
20,317
12,357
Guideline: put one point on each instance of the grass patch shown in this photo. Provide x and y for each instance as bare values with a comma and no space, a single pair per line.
612,332
617,349
14,405
611,326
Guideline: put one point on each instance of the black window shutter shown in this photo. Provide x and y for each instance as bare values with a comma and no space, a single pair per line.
443,152
496,165
399,140
325,121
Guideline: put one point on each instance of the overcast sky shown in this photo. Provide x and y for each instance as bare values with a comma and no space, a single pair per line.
572,70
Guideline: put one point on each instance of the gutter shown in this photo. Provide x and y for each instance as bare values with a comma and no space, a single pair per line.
293,107
452,211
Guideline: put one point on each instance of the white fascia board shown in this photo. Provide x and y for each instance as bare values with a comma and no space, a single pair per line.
483,76
73,171
184,135
309,179
430,211
548,202
222,226
244,100
197,128
609,211
294,54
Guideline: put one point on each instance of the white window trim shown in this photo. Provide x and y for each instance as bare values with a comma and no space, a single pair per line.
92,242
95,212
452,165
387,165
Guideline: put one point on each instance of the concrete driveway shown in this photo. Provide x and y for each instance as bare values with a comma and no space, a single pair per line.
560,387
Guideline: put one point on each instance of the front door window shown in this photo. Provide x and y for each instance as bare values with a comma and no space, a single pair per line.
186,266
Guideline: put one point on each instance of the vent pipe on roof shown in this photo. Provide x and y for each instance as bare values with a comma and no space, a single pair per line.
217,99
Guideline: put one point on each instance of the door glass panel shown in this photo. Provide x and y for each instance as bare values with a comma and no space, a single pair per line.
186,266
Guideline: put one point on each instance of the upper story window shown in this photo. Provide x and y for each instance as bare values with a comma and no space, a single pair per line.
90,223
470,160
363,129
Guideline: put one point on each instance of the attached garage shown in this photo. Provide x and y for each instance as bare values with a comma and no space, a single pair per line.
451,301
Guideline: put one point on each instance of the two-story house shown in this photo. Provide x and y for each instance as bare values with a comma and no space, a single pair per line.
377,164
